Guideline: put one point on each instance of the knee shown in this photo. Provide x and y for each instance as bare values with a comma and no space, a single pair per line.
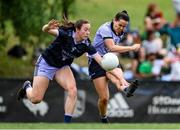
72,91
36,99
104,100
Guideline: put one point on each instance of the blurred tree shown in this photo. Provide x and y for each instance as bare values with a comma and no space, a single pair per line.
29,16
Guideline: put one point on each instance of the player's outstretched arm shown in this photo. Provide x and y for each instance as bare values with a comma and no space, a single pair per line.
51,27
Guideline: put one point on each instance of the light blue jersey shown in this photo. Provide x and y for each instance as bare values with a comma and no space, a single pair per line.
105,31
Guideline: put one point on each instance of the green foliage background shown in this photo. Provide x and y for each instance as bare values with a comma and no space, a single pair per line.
21,22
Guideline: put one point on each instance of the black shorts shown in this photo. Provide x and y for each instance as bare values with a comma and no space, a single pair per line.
95,70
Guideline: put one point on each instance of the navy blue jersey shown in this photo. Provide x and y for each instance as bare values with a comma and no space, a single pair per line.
64,49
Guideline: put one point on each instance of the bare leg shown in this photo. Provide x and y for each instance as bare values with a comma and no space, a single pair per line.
65,78
117,74
116,77
36,93
115,81
101,85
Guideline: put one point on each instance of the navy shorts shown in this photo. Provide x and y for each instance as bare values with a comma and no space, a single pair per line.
95,70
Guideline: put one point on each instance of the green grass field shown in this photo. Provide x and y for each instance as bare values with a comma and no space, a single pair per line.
152,126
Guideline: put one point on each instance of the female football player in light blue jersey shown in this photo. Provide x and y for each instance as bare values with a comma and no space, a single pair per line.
108,39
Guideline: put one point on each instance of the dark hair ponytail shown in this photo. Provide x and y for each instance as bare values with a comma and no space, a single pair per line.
66,24
122,15
124,11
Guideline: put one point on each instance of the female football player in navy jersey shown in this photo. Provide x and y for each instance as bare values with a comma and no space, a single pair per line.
108,39
71,42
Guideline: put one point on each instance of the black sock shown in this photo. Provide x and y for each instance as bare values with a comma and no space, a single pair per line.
67,118
104,119
126,89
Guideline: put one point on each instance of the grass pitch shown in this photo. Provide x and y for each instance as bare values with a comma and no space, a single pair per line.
91,126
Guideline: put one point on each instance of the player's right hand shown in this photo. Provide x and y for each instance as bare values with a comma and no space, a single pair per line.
136,47
53,24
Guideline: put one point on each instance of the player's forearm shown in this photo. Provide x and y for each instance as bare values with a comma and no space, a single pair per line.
98,58
120,49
